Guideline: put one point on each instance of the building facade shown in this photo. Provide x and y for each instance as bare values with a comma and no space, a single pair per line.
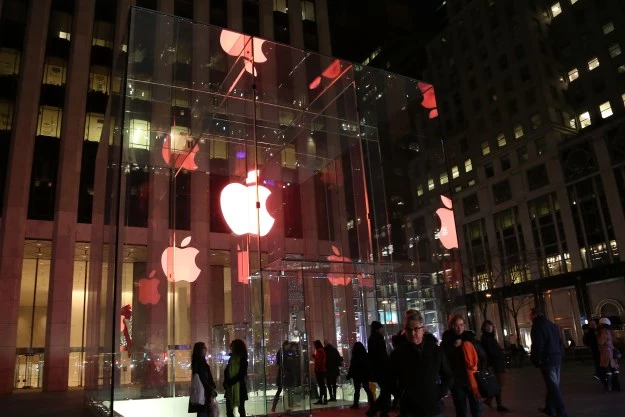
531,103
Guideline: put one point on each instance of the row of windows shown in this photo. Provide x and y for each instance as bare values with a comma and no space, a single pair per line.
444,179
614,50
583,120
308,9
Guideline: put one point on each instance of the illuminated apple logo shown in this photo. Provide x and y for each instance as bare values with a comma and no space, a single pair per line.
429,98
179,263
336,276
333,71
148,290
236,44
180,152
447,234
238,206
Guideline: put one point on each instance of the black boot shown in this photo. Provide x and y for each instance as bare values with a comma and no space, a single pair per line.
607,382
616,383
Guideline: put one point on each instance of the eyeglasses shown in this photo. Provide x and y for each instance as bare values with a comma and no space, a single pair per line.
414,329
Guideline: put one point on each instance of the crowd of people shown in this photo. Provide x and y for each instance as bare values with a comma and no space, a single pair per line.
419,371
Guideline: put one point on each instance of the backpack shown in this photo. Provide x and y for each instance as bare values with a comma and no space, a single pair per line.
482,363
486,380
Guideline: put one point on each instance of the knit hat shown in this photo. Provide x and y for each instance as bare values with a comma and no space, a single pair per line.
605,320
375,325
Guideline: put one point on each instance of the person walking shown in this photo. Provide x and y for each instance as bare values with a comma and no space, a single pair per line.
200,367
463,360
378,368
359,374
334,360
590,341
235,378
320,371
280,379
546,354
419,371
496,360
608,356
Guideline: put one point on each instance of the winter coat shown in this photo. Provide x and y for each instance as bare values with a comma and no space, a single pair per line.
494,353
547,347
455,356
333,360
359,366
590,341
240,377
206,377
320,360
422,376
605,340
378,357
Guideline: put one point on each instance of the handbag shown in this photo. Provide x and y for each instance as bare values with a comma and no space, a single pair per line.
213,410
487,383
196,391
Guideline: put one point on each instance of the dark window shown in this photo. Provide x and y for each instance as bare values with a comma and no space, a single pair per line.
183,8
488,74
219,13
512,107
502,192
507,85
472,83
148,4
537,177
505,163
470,204
525,73
530,97
522,154
503,62
477,104
43,178
519,51
541,145
251,24
464,145
489,170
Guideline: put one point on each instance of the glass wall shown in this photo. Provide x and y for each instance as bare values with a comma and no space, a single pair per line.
243,199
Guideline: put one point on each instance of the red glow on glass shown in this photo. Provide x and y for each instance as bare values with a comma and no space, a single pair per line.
181,153
429,98
447,234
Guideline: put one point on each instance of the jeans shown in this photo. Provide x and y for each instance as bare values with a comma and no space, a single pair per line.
461,394
321,382
202,414
554,405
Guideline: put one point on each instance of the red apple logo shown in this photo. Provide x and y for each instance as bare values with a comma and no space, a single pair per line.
332,71
336,276
429,98
148,290
179,263
238,206
180,152
447,234
237,45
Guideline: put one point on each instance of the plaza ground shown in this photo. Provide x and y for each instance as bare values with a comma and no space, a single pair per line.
524,394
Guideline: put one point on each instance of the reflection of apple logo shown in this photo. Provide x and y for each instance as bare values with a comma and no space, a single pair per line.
175,151
447,234
238,206
235,44
148,290
331,72
429,98
336,276
179,263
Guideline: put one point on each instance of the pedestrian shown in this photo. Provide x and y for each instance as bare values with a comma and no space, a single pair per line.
463,360
200,367
496,361
281,374
590,341
235,378
419,370
320,371
608,356
359,374
378,369
546,354
334,360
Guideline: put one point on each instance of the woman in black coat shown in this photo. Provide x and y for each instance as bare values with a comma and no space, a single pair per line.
235,378
200,367
496,360
359,372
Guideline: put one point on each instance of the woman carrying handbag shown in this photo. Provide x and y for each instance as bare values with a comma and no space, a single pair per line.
203,386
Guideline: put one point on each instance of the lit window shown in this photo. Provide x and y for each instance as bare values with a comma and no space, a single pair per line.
139,134
455,172
606,110
537,121
308,11
280,6
289,157
60,25
54,71
573,123
573,1
485,148
573,75
179,138
140,90
615,50
518,131
218,149
468,166
471,183
102,34
9,61
93,126
593,63
608,27
501,140
180,97
623,98
49,123
99,80
6,115
444,178
419,190
430,184
65,35
584,120
556,9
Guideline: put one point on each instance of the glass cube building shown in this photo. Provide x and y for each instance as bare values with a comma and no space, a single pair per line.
241,195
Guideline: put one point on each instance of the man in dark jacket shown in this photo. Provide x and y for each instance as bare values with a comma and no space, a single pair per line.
334,360
546,354
419,371
590,341
378,368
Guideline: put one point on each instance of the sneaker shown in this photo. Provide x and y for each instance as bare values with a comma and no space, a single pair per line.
502,409
597,378
318,402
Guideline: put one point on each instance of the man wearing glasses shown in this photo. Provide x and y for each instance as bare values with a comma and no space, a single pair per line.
419,371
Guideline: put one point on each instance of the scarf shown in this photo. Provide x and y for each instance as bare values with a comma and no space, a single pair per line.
471,360
233,393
